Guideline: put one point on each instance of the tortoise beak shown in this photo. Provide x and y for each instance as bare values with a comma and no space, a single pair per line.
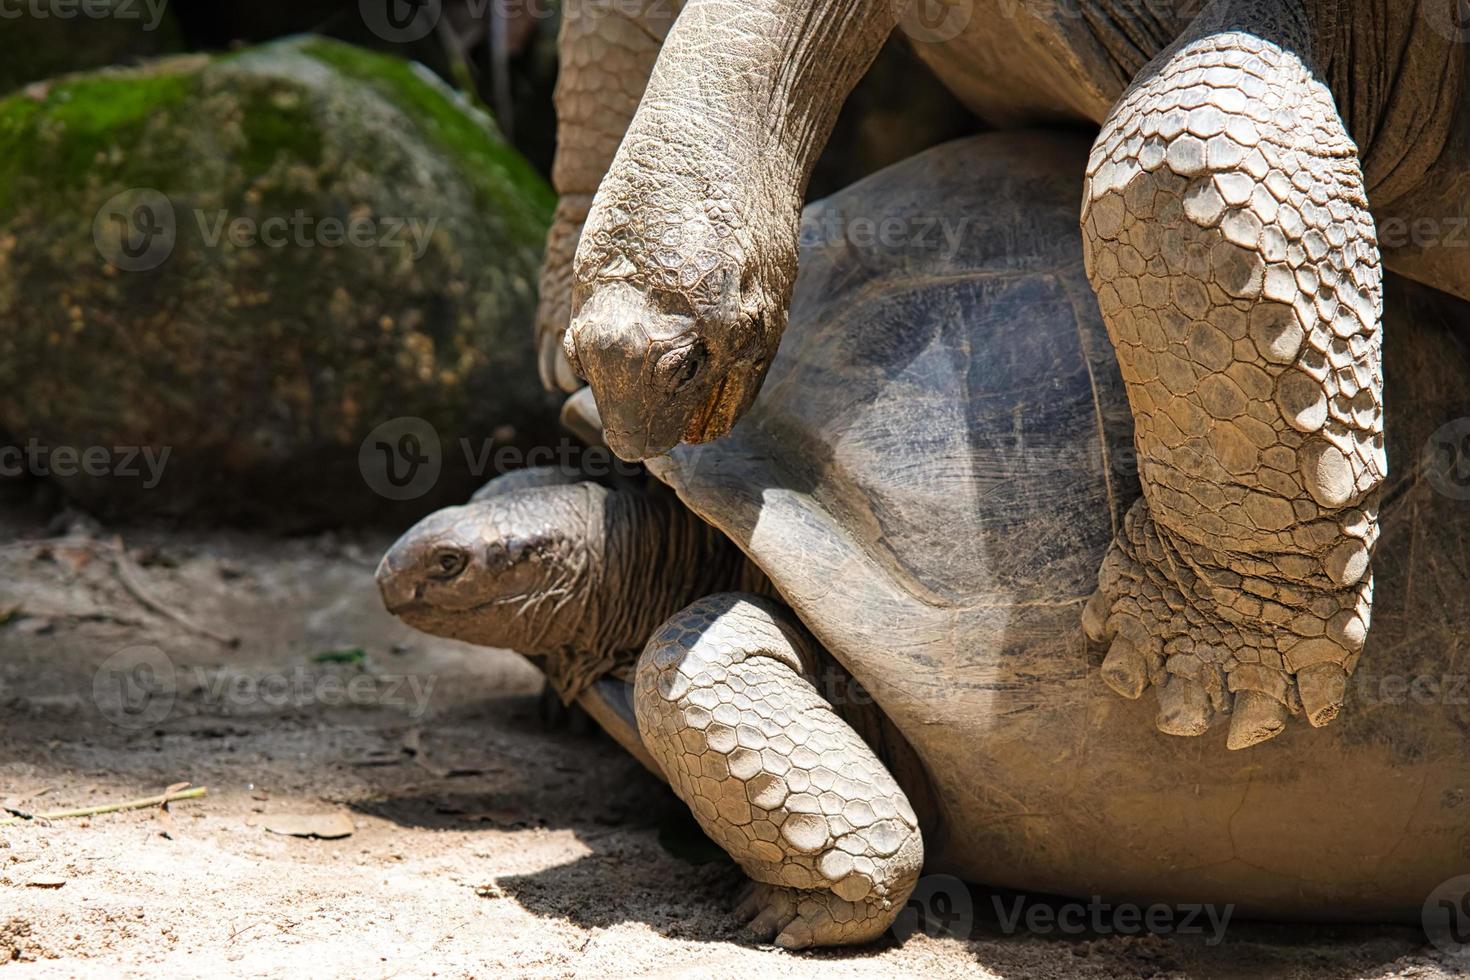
399,591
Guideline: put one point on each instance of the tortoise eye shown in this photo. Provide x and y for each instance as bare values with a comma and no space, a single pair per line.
446,563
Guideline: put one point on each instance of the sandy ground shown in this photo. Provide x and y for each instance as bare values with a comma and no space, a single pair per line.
486,840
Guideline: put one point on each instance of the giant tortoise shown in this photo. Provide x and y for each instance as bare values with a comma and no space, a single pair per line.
1246,149
856,628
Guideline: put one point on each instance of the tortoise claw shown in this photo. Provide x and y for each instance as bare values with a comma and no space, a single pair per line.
749,902
1184,707
1126,669
1323,688
1257,717
1095,617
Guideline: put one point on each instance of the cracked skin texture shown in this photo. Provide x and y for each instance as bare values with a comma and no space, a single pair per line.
1236,265
939,462
1243,584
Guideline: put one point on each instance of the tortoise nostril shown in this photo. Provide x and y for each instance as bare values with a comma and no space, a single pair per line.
569,348
398,592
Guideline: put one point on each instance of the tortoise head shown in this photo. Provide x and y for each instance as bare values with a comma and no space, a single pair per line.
496,572
665,369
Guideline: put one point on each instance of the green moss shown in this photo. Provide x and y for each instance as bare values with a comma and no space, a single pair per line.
504,183
276,123
82,119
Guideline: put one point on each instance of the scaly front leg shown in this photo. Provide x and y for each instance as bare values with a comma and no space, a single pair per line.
774,776
1233,255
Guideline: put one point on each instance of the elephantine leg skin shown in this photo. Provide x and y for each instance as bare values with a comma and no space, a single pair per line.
1229,242
684,270
773,775
607,49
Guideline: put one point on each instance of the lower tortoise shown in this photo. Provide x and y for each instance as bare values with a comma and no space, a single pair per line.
849,641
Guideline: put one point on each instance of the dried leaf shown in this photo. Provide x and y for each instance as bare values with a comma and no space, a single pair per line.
325,826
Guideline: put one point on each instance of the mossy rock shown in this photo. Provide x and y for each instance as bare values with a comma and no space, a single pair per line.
255,260
64,36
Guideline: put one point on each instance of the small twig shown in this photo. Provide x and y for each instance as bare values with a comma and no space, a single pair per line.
92,811
240,932
76,616
129,578
13,805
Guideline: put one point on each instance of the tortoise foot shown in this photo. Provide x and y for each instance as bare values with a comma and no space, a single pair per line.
1216,643
798,918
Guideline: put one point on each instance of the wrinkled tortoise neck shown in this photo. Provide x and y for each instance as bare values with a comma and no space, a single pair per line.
764,78
639,559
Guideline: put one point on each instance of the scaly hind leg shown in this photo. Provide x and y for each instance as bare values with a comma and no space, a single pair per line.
1229,242
773,775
